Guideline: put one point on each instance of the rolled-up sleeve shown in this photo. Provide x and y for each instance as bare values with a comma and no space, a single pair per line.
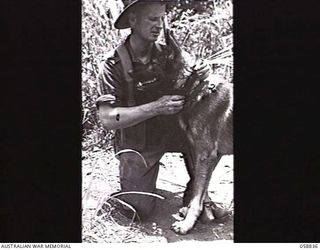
110,83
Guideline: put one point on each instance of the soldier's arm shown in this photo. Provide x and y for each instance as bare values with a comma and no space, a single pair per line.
122,117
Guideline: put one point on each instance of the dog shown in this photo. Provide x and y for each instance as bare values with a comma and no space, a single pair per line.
207,123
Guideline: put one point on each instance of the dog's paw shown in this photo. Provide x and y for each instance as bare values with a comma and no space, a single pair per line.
182,227
179,227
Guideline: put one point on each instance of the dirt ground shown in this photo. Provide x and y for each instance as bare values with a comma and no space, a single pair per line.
101,178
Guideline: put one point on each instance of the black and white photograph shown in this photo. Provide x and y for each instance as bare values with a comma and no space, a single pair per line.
176,123
157,103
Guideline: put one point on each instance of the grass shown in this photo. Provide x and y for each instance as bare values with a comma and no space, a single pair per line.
102,223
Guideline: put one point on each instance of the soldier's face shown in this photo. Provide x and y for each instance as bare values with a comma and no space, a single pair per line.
148,23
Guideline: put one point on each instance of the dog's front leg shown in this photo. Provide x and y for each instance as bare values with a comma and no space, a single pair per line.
204,165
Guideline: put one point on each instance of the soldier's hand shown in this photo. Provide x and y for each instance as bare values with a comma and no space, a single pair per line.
169,104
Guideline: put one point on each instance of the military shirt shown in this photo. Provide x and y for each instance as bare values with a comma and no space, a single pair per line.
151,82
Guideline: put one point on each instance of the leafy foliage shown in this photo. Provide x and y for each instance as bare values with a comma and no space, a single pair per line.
203,28
98,37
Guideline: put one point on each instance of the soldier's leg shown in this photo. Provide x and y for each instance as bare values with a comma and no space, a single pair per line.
136,176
